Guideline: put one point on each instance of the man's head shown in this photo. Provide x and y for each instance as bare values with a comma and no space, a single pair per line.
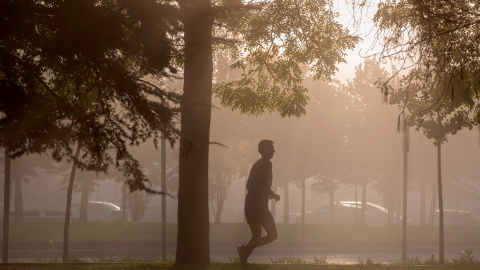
265,148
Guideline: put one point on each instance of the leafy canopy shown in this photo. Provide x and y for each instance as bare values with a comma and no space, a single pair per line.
86,71
274,44
439,36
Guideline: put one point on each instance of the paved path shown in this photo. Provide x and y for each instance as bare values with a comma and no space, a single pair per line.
225,251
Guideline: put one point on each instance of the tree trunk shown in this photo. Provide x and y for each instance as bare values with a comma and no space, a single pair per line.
6,207
303,200
405,193
364,202
286,204
433,206
457,203
441,244
124,202
136,205
163,161
332,207
422,205
356,204
69,204
84,200
218,216
219,197
18,199
193,247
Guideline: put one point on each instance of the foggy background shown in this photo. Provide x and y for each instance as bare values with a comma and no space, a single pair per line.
348,136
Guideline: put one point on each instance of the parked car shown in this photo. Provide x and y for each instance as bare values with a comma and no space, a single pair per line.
98,211
346,213
451,217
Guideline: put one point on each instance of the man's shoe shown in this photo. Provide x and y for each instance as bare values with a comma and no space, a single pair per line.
242,253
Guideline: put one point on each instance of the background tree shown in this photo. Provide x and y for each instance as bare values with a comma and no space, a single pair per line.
22,170
72,73
328,185
426,106
441,36
368,152
137,203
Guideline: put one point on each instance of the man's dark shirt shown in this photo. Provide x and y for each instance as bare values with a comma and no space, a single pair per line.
259,185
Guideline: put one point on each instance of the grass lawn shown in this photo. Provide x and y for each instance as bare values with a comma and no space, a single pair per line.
43,230
226,266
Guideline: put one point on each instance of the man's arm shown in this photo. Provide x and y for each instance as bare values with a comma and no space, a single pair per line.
273,196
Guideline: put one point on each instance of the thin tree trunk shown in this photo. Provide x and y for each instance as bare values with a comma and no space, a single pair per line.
163,161
303,200
286,204
433,206
332,207
84,200
6,207
193,247
422,205
406,147
68,209
457,203
441,243
364,202
18,199
124,202
389,207
356,204
218,200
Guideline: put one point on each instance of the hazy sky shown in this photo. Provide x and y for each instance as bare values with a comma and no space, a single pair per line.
364,47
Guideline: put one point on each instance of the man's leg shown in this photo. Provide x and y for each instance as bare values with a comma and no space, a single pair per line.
243,251
269,225
256,230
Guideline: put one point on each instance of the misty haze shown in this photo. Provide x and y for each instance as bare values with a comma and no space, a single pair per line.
130,133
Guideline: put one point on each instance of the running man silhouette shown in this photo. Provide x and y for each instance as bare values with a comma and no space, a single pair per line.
259,191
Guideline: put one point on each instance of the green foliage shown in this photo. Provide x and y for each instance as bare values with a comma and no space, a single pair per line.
369,262
234,259
277,42
412,261
432,260
287,260
137,203
320,260
439,39
75,71
466,258
422,97
104,258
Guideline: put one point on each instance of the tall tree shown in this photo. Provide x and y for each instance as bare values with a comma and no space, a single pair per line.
423,101
6,208
271,41
367,151
76,71
62,79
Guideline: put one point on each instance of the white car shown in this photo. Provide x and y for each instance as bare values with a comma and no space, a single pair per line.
346,213
98,211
